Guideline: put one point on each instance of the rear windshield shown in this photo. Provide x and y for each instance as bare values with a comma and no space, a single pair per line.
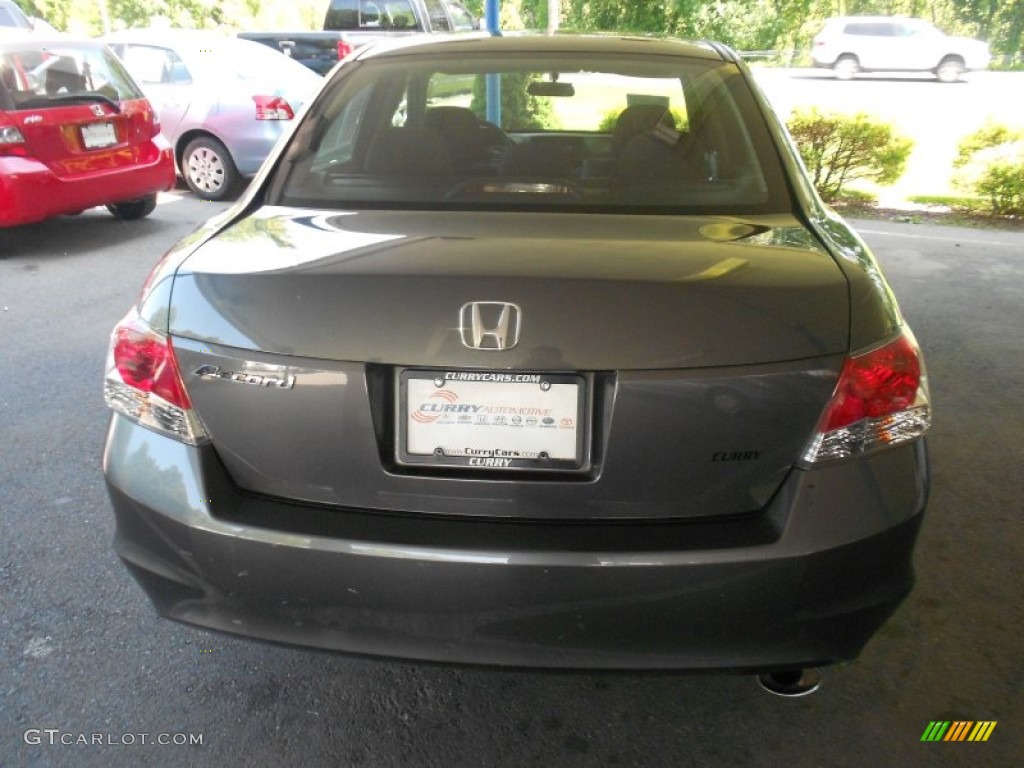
499,132
211,58
373,15
258,63
35,76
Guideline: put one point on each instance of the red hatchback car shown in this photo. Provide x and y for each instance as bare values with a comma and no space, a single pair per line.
75,132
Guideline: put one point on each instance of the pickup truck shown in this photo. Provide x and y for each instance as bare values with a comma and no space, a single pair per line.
350,24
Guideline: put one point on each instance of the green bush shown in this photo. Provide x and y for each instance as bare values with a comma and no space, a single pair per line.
990,165
996,174
838,149
988,136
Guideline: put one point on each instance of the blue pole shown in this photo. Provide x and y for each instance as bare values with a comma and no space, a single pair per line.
491,13
493,83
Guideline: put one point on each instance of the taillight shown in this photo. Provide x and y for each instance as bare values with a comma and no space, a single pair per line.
344,49
272,108
12,142
143,381
154,122
880,400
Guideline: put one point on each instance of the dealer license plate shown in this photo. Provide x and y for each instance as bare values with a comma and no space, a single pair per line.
98,135
494,420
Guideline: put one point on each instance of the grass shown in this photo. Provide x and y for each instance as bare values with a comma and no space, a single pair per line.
952,202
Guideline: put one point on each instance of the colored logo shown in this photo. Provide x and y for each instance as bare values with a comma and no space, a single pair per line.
958,730
431,410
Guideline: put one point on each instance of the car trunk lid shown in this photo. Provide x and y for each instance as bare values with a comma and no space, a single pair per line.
704,349
76,138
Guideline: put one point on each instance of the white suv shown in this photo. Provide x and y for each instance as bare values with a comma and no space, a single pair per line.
852,44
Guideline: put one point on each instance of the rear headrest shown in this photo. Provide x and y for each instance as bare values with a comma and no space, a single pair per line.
445,119
63,73
637,118
408,152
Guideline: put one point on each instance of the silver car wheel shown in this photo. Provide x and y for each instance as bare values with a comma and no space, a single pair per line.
208,169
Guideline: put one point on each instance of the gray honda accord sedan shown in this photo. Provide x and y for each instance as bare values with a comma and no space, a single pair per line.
525,351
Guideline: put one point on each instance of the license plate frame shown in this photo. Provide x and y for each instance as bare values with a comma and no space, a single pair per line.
99,135
498,421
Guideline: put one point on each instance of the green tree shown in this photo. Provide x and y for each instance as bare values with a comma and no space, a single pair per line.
519,110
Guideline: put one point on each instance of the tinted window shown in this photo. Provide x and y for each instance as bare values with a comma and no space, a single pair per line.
584,134
438,16
462,19
371,15
152,65
873,29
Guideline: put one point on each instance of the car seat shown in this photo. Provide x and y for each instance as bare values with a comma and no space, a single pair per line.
63,77
408,151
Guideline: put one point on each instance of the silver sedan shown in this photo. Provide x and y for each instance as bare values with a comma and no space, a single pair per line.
223,102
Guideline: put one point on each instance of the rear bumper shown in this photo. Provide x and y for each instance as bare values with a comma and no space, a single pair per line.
251,142
822,568
31,192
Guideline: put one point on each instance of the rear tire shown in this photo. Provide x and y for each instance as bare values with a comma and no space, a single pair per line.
950,70
133,209
846,67
208,169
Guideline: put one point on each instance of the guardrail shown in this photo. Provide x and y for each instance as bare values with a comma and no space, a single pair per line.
784,56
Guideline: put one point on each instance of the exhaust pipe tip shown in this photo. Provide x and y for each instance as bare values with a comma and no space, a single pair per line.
791,683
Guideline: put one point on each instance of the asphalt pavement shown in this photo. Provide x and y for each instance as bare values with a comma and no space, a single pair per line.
89,676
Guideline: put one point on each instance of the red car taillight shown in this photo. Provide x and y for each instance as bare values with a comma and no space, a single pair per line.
143,381
881,399
12,142
272,108
154,123
344,49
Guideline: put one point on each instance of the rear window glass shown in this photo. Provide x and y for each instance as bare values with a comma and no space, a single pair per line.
256,62
873,29
152,65
462,19
613,133
371,15
212,58
34,77
438,16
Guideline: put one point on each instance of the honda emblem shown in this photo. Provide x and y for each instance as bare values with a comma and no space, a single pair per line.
489,325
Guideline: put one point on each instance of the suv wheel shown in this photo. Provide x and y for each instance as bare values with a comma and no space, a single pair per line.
208,169
133,209
846,67
950,69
